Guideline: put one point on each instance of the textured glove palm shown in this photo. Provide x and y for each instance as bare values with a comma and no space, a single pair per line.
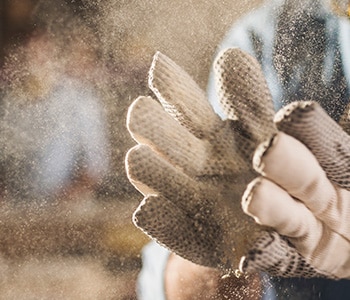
191,166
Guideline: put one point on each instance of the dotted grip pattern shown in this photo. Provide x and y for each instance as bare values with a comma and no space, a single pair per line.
192,167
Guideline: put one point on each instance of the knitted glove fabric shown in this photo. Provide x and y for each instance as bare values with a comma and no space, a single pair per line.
303,192
192,167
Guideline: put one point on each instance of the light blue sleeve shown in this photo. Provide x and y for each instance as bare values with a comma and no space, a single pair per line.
344,38
150,283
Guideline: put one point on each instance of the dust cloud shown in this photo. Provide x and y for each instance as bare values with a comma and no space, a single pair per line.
96,53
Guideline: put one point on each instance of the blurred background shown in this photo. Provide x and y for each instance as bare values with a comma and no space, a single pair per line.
69,71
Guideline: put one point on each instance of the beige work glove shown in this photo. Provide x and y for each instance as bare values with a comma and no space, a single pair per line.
303,192
192,167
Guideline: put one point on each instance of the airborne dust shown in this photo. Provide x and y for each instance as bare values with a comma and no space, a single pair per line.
66,83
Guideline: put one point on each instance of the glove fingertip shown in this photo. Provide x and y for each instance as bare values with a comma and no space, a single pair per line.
309,123
248,197
141,113
244,94
292,112
181,96
135,169
260,152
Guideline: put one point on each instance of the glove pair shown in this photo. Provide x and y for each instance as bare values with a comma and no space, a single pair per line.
193,169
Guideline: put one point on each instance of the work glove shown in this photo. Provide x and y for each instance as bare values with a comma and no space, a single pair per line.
303,191
192,167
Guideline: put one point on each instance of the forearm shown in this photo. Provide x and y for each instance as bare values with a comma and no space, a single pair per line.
185,280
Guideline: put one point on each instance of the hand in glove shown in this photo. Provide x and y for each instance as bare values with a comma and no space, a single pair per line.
191,166
303,192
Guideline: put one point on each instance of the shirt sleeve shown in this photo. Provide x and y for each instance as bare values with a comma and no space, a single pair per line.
344,38
150,282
